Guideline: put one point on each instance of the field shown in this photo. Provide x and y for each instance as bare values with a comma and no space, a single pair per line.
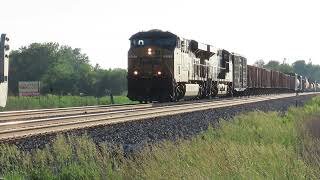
255,145
51,101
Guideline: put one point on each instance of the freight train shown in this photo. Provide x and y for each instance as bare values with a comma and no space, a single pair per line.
4,66
165,67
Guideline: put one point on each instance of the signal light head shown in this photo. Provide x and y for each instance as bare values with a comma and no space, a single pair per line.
149,51
7,47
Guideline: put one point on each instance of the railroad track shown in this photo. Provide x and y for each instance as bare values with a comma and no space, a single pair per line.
56,112
60,112
21,124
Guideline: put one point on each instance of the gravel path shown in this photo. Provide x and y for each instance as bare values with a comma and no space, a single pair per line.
132,135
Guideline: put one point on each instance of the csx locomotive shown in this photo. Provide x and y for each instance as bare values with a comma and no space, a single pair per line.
4,66
165,67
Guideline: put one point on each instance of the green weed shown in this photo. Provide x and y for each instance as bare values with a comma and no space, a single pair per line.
255,145
52,101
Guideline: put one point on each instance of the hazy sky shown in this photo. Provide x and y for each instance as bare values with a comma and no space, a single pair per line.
270,29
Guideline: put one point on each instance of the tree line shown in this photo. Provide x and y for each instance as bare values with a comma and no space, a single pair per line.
63,70
309,70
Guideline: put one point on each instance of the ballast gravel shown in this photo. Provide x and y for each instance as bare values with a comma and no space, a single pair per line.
134,135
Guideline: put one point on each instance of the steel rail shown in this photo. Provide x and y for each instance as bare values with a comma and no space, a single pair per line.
50,125
47,113
58,112
110,113
22,115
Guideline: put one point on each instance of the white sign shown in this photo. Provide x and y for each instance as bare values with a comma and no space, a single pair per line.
29,88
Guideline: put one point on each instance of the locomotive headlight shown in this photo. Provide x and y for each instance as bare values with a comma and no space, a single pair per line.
135,72
149,51
159,73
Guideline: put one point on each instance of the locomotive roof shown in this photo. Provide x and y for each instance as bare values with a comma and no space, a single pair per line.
236,54
153,34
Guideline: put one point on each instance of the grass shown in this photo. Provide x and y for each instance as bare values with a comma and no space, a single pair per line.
51,101
255,145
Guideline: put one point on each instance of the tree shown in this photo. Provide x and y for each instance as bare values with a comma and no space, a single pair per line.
285,68
299,67
62,70
31,63
259,63
274,65
114,80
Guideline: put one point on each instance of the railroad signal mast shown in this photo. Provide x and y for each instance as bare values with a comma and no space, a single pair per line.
4,68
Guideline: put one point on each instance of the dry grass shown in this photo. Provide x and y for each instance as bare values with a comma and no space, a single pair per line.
310,142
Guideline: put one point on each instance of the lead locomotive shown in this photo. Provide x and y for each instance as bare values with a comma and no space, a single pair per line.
165,67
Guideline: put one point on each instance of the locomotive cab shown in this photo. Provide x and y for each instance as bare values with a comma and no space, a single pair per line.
150,66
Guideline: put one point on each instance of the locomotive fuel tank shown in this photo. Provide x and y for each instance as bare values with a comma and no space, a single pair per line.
192,90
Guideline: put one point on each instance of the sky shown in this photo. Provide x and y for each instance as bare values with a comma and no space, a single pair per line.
257,29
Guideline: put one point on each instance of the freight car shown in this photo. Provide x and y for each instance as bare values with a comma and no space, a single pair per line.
165,67
264,81
4,66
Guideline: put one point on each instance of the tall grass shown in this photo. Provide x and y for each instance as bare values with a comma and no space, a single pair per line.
67,158
51,101
255,145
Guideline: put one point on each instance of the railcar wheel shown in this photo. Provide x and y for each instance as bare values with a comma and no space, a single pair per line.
174,97
230,90
214,90
180,91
